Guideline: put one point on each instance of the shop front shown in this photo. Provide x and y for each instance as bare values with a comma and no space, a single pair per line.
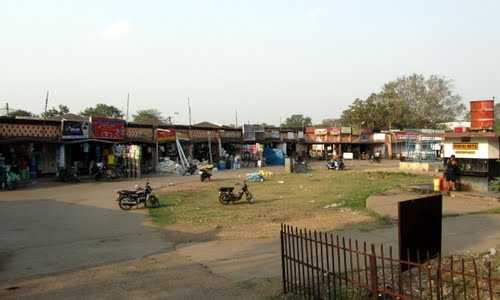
27,150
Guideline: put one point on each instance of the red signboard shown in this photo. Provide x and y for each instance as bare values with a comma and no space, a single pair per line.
310,130
166,135
106,128
334,130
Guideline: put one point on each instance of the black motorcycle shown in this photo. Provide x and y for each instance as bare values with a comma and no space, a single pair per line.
335,165
227,195
102,172
68,175
128,198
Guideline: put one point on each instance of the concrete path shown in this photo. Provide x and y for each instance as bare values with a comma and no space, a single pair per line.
247,259
461,203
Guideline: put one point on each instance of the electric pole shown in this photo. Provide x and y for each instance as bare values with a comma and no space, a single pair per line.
189,112
46,103
236,119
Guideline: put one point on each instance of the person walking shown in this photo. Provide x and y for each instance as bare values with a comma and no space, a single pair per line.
451,174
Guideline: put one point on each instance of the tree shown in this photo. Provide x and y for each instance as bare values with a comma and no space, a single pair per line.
297,120
21,113
330,122
150,116
102,110
60,111
407,102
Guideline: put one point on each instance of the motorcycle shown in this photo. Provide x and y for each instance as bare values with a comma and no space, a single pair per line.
68,175
335,165
206,172
102,172
376,159
128,198
227,195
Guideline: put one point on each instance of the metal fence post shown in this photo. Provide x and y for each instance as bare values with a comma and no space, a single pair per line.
373,274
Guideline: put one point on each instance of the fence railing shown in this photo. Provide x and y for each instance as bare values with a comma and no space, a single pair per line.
317,265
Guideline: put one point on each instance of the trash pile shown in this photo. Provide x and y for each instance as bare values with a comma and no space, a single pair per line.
167,166
255,177
258,176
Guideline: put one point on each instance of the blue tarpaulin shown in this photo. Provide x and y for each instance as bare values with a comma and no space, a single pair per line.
274,157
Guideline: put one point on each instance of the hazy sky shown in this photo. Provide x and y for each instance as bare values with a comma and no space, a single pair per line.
268,59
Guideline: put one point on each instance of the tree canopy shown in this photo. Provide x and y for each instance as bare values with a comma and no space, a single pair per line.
407,102
297,120
60,111
21,113
150,116
102,110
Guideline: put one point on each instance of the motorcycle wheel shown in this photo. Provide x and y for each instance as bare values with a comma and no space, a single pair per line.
249,197
224,199
122,205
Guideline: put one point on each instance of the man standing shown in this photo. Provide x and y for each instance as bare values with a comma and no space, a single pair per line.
451,174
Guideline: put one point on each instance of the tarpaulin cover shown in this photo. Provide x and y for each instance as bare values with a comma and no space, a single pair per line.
274,157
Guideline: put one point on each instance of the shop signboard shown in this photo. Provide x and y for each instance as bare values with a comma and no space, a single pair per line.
320,131
300,135
364,137
310,130
334,130
107,128
290,135
400,136
379,137
345,130
75,129
166,135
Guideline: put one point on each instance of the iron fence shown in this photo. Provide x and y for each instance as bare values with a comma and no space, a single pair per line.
317,265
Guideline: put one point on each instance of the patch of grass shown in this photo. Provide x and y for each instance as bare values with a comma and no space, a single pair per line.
300,196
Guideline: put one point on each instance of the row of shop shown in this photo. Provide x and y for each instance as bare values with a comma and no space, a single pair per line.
31,148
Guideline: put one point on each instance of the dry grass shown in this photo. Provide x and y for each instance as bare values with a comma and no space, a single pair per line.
299,201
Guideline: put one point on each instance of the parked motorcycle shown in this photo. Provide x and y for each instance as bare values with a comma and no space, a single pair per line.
337,164
68,175
206,172
375,159
102,172
227,195
129,198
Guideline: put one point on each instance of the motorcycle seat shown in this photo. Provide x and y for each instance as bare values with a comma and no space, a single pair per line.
127,192
226,189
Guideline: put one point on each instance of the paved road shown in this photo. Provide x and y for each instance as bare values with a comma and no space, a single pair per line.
61,227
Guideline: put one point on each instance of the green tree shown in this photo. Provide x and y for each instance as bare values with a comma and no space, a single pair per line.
297,120
21,113
407,102
102,110
150,116
60,111
331,122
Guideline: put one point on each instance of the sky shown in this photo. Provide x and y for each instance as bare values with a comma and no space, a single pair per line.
265,59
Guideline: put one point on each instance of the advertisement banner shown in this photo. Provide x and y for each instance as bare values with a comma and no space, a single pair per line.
345,130
166,135
334,131
406,136
320,131
75,129
107,128
310,130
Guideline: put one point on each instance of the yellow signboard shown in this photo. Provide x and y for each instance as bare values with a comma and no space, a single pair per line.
466,146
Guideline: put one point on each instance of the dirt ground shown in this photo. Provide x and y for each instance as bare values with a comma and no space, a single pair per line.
194,266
